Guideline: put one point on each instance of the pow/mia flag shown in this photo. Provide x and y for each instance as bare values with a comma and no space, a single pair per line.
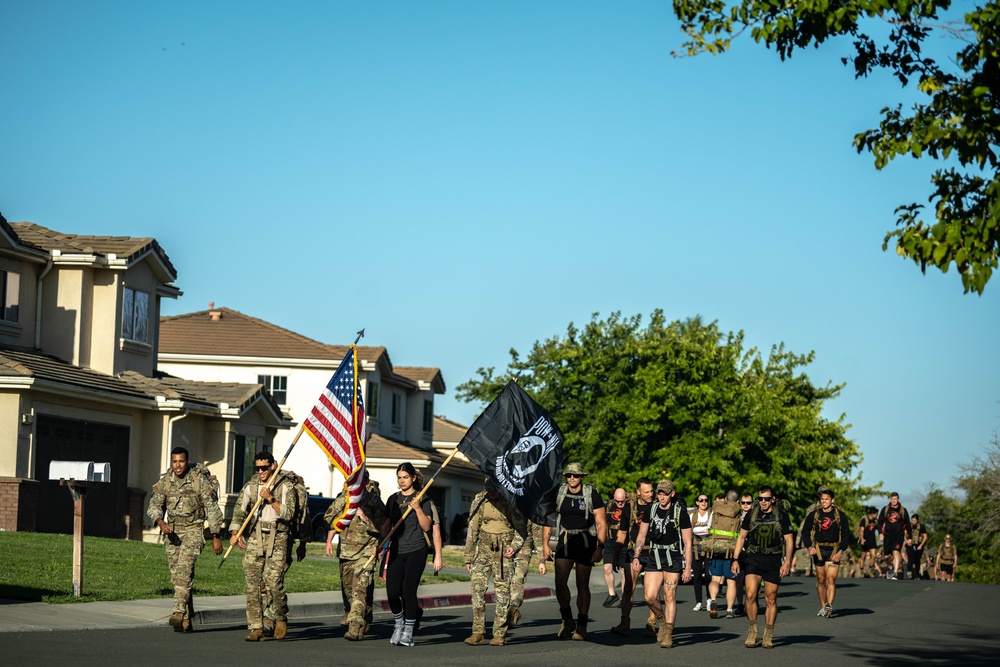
519,447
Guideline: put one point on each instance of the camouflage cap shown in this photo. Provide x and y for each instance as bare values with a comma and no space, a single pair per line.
575,468
665,485
821,490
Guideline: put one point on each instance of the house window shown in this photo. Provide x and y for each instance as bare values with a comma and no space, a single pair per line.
277,385
135,315
428,416
372,403
242,461
397,408
10,295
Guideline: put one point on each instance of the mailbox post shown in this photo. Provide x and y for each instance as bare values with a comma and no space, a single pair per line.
79,476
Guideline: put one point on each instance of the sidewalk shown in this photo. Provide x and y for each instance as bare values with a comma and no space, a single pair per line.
18,616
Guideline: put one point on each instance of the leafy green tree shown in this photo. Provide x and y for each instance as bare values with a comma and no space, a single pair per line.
958,121
685,401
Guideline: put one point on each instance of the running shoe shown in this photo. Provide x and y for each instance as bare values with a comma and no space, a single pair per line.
713,611
610,601
822,611
828,610
730,613
699,607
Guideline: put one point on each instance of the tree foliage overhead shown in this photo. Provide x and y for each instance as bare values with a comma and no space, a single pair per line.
686,401
958,121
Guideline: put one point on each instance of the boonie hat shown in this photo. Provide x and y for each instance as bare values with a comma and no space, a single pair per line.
575,468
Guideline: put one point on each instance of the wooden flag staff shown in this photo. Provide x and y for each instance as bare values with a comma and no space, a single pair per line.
274,477
409,508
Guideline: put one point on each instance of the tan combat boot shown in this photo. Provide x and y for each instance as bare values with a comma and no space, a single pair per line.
280,629
475,638
768,630
515,618
354,631
498,641
343,619
176,621
187,625
566,629
650,631
667,636
256,635
751,635
580,634
662,632
268,627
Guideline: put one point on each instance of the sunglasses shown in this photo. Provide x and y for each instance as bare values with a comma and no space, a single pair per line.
746,502
765,499
620,502
574,476
263,468
703,500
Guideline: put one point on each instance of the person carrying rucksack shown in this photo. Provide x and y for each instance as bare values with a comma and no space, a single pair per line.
670,558
766,535
894,526
268,543
182,499
719,545
827,536
581,531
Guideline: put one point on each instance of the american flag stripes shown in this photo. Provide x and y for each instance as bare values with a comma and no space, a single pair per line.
337,424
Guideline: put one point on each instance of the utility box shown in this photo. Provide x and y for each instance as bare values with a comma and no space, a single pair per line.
80,471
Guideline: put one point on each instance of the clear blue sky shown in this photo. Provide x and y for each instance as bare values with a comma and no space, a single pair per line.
461,178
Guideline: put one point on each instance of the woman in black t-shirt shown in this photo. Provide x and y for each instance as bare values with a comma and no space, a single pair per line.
407,551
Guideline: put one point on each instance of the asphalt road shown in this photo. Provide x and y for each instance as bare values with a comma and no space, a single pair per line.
877,622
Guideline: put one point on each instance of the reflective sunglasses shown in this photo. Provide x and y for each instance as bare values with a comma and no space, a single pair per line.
263,468
574,476
766,499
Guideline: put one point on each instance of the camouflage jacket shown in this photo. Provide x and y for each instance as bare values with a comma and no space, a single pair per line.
362,534
185,501
495,525
532,540
283,491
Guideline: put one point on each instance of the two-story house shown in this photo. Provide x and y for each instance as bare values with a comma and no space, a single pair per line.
221,344
79,335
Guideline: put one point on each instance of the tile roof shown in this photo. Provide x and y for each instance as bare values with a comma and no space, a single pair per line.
446,430
19,362
234,334
125,247
380,447
430,376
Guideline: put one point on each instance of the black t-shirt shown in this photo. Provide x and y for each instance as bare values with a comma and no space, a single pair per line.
663,530
409,537
574,510
631,524
828,526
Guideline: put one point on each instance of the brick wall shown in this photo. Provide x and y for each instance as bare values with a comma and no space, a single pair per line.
18,503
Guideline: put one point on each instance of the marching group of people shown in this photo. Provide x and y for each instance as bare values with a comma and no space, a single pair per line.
744,542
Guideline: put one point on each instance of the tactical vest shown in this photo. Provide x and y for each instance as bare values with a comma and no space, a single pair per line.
947,554
588,499
659,525
765,543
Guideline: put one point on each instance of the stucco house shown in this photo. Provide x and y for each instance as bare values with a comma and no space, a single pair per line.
225,345
79,335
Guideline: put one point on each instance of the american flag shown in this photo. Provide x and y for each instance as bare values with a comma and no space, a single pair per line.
337,424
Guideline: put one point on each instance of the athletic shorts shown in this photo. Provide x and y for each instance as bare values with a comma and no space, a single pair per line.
609,555
948,569
674,565
892,543
578,547
870,545
765,566
721,567
823,556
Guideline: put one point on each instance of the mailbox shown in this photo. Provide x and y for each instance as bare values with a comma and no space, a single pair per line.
81,471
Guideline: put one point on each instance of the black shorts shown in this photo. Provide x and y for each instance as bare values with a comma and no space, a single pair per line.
609,555
765,566
578,547
892,543
673,564
869,545
823,556
948,569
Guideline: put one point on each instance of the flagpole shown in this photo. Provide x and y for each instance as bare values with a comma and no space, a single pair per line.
409,508
274,475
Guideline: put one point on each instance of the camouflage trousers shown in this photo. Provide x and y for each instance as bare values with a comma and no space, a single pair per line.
182,553
357,588
521,566
265,576
485,565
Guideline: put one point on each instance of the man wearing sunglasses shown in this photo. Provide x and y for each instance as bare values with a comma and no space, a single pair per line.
581,533
766,535
611,565
269,545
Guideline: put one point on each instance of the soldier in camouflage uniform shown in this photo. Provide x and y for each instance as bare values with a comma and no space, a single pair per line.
354,550
186,500
522,561
496,533
268,542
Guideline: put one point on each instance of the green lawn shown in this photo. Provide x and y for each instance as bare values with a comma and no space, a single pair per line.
39,567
